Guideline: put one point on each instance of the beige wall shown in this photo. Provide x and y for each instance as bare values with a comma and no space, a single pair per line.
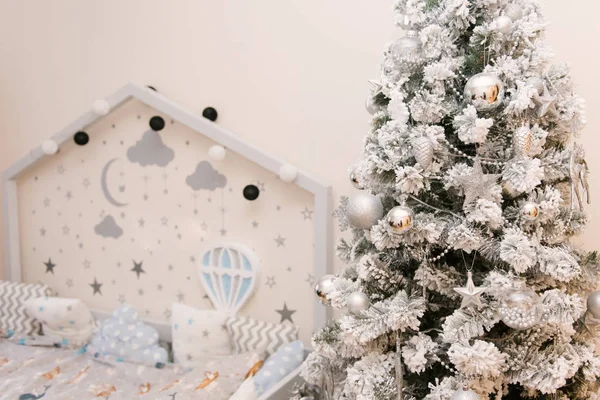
290,76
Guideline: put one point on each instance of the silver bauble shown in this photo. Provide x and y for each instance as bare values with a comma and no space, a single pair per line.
407,48
354,180
323,288
422,150
465,394
530,211
593,303
537,83
364,210
370,106
514,12
400,219
485,91
357,302
522,141
504,24
520,309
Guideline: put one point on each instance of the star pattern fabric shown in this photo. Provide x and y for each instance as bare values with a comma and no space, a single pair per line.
477,185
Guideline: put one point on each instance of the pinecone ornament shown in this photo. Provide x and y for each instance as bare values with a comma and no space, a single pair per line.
422,150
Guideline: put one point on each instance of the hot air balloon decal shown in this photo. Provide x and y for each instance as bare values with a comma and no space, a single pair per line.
229,274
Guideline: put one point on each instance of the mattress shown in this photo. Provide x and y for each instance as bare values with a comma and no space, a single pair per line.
29,373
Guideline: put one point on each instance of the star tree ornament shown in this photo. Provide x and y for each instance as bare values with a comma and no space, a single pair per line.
477,185
546,103
470,293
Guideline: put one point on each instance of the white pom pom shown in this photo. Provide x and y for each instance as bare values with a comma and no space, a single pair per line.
49,147
288,173
217,152
100,107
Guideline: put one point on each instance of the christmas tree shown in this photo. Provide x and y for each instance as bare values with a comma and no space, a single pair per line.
461,281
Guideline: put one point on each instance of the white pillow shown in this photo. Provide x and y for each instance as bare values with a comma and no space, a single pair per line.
246,391
68,322
197,333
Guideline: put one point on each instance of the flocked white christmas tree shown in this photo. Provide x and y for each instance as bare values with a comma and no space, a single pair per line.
461,281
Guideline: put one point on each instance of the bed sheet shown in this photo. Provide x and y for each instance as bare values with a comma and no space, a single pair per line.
30,373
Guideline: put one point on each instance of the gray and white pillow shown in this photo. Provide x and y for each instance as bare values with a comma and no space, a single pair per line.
14,318
248,334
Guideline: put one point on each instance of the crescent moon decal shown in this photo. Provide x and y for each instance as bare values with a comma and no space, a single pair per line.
103,183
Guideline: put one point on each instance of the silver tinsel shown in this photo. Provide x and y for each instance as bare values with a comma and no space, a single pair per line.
422,150
477,185
364,210
593,303
485,91
465,394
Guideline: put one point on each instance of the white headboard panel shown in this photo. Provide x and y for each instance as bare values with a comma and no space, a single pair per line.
127,215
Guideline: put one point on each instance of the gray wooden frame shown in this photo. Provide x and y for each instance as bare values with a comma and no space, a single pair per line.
322,192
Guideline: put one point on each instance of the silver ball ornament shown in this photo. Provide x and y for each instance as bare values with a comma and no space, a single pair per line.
521,309
407,48
530,211
370,105
537,83
504,24
400,219
354,180
593,303
485,91
465,394
364,210
323,288
514,12
357,302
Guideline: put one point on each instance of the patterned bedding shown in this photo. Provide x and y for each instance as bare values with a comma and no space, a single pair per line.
30,373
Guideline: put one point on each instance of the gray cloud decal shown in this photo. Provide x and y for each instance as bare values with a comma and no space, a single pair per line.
206,177
150,150
108,228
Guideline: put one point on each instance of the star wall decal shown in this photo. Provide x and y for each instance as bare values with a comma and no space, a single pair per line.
310,279
50,266
477,185
255,224
46,202
470,293
307,214
137,268
87,264
286,314
167,313
180,297
97,287
65,230
69,195
270,282
69,283
280,241
205,333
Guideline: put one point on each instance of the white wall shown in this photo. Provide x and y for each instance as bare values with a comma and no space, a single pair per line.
291,76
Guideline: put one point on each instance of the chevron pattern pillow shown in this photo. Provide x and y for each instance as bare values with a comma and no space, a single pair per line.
248,334
14,318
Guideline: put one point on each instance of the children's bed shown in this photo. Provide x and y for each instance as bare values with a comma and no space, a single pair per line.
124,205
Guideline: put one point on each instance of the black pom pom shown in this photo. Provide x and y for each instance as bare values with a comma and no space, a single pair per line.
157,123
251,192
151,88
81,138
210,113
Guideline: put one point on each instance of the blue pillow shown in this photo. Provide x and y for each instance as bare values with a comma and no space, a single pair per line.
123,337
287,358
